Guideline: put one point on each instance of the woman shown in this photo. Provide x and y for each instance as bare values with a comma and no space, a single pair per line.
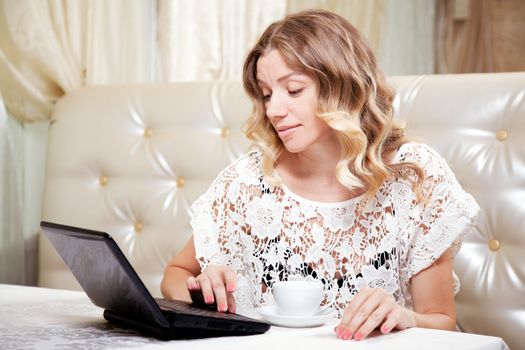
332,191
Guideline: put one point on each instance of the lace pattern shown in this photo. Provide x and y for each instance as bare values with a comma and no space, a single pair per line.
268,233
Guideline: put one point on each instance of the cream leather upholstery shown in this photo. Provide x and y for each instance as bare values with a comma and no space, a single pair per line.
477,122
130,160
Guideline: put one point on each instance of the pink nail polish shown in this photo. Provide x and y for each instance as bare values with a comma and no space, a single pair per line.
384,329
347,335
208,300
358,336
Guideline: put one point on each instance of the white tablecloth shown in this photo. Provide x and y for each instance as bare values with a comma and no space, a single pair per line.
39,318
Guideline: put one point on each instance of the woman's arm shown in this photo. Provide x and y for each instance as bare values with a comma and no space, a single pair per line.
433,301
183,274
433,295
176,274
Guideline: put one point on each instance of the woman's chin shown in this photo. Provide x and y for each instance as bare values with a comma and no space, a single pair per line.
293,148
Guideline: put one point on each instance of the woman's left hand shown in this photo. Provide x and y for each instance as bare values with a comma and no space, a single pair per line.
371,308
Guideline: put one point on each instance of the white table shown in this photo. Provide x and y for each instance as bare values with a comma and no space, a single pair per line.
39,318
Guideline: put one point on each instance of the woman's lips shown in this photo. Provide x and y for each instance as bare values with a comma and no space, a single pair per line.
284,131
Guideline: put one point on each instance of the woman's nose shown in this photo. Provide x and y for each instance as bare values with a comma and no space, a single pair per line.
275,107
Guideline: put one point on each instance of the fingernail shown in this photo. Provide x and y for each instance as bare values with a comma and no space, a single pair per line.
208,299
347,335
384,329
340,333
223,307
358,336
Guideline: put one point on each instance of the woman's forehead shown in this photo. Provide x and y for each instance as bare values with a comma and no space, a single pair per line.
273,66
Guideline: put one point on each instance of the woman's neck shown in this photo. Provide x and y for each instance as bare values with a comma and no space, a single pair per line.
317,162
311,175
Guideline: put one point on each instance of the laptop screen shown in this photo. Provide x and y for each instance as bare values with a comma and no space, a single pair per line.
104,273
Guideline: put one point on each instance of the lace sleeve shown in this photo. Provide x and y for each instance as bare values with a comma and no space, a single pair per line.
205,231
446,217
217,215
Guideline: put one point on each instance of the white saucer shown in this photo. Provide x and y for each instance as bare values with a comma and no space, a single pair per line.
272,315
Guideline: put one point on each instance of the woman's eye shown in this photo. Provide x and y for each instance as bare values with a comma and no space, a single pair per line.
266,98
295,92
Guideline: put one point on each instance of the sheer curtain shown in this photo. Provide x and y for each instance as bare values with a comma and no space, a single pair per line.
401,32
208,39
12,262
50,47
407,43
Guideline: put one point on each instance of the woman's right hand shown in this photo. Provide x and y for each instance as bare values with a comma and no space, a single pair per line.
216,285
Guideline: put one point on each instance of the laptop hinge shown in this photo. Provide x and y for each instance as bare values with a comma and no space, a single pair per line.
152,329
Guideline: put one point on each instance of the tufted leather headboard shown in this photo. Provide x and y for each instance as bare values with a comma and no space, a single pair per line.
131,159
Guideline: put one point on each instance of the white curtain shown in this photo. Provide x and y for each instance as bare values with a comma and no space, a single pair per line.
367,15
50,47
12,264
38,62
22,156
407,41
209,39
401,32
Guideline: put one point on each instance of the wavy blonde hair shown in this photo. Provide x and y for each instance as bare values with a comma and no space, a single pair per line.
353,96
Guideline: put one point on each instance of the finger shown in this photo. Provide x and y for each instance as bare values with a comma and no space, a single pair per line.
388,325
191,283
350,312
206,288
394,320
360,316
230,279
374,301
373,320
355,304
232,306
219,290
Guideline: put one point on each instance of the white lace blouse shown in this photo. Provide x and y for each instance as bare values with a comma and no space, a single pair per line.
269,233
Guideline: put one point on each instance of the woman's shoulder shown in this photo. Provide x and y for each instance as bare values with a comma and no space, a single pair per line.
242,173
249,161
247,166
421,154
416,152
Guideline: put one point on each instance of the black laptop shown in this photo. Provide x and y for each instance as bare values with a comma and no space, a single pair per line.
111,283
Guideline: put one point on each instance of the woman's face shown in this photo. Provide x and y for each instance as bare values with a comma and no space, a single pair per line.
290,99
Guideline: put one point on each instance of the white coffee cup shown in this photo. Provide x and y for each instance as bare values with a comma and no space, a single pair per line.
298,298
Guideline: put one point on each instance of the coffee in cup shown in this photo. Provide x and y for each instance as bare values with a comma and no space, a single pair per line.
298,298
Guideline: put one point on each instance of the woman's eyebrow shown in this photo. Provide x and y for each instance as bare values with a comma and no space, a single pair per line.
280,79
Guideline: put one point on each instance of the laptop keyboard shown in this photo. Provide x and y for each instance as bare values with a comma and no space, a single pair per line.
183,307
